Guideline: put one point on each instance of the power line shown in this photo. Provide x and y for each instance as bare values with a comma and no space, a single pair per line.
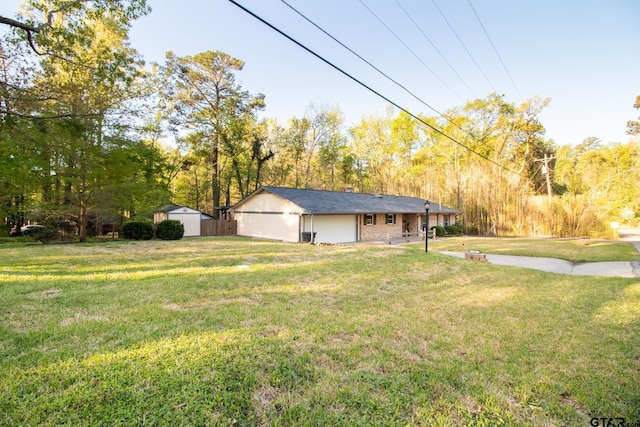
464,46
444,116
378,70
326,61
436,48
410,50
495,50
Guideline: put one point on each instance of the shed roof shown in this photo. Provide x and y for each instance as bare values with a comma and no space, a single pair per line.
173,208
338,202
168,208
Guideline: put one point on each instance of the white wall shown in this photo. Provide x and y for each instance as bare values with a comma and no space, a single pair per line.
283,226
190,221
268,216
267,202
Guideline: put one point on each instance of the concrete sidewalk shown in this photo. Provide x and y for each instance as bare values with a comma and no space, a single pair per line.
560,266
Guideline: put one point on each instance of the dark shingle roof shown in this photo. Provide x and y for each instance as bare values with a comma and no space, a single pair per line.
168,208
337,202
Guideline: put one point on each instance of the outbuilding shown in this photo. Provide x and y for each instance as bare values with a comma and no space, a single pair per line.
297,215
189,217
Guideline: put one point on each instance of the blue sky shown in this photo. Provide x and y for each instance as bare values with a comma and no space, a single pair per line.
584,55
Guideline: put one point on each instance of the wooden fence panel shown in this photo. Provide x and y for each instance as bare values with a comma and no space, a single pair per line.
218,227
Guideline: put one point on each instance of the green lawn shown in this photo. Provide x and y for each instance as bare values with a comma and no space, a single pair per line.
218,331
576,250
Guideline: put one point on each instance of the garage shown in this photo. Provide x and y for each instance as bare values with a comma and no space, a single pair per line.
332,228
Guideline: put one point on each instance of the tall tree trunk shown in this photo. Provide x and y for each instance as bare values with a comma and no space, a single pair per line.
82,218
215,183
197,189
236,170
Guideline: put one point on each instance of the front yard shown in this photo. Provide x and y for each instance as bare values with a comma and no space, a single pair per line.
216,331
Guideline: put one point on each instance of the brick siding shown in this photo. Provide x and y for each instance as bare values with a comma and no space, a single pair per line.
380,230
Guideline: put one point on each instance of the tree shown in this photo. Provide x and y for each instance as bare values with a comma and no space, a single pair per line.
369,139
633,126
205,101
323,124
191,186
20,160
600,184
244,144
86,77
65,22
293,149
326,129
331,157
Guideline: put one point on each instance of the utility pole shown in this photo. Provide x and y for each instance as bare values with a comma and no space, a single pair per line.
547,171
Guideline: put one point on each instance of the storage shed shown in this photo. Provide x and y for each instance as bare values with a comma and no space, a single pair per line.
190,218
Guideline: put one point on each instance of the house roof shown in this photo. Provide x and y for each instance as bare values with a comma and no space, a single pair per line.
338,202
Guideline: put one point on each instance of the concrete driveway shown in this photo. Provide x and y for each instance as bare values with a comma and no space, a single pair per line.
553,265
560,266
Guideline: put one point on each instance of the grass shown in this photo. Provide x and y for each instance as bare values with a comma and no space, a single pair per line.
575,250
221,331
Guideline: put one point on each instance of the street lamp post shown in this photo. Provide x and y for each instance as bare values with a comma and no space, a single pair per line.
426,229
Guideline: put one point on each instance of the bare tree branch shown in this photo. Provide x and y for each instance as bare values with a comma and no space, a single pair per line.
21,25
36,29
30,29
41,117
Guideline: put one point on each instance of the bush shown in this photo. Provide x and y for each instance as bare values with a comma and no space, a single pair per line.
5,231
440,231
137,230
454,230
43,234
472,230
170,229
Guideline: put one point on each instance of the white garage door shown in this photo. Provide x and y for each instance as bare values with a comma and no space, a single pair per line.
190,221
332,228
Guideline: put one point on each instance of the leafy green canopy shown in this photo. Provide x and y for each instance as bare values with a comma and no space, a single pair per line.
70,117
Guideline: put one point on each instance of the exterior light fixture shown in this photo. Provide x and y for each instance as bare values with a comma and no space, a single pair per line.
427,204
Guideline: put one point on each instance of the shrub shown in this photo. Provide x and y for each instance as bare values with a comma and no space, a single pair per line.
454,230
170,229
137,230
472,230
5,230
43,234
440,231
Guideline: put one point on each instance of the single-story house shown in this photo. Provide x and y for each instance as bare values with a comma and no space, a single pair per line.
190,218
297,215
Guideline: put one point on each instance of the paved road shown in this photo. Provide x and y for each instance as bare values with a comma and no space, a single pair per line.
553,265
631,235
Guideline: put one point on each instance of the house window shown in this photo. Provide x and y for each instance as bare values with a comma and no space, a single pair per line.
369,219
391,218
